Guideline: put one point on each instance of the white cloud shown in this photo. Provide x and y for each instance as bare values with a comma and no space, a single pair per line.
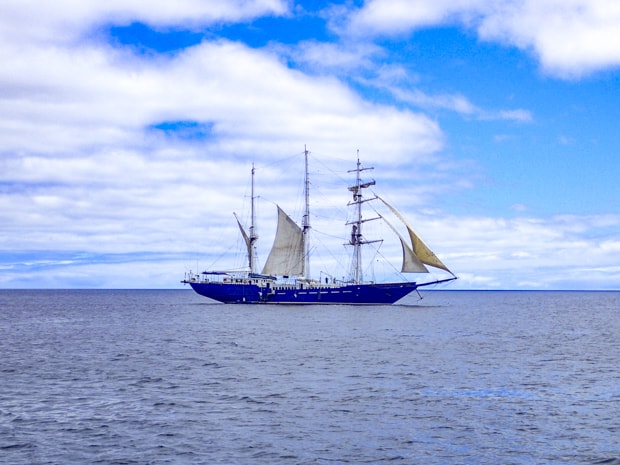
452,102
320,57
389,17
522,250
90,97
571,38
519,115
65,21
84,167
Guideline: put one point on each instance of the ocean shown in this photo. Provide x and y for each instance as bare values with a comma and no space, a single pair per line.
165,377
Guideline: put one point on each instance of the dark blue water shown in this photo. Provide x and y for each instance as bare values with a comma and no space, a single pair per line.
163,377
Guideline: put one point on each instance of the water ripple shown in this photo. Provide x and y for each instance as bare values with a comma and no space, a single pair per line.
159,377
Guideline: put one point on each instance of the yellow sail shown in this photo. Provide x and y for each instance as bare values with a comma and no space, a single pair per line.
420,249
411,263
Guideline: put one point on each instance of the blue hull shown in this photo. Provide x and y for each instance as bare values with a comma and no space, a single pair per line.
354,294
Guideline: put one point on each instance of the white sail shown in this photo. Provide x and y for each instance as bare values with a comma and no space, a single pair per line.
246,238
420,249
411,263
287,253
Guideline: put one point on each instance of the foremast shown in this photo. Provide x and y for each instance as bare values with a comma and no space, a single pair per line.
357,238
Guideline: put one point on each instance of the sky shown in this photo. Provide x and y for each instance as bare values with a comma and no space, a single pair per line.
128,130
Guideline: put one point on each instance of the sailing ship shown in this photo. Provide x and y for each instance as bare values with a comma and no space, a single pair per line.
285,277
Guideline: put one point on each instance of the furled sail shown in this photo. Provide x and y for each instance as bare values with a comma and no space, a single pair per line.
420,249
287,253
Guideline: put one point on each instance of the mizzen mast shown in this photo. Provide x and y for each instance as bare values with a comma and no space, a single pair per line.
306,220
253,235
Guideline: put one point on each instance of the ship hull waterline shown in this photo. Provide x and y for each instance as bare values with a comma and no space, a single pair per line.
354,294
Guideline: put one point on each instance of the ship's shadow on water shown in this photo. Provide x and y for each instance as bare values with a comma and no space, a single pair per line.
157,377
418,306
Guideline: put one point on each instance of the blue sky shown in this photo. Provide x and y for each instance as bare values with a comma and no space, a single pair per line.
128,130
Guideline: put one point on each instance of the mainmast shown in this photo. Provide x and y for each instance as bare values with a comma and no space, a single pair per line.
356,230
306,220
253,236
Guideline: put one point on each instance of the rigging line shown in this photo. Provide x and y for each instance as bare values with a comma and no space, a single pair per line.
295,208
319,253
378,253
339,181
391,264
335,173
441,285
323,233
323,192
279,161
227,251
